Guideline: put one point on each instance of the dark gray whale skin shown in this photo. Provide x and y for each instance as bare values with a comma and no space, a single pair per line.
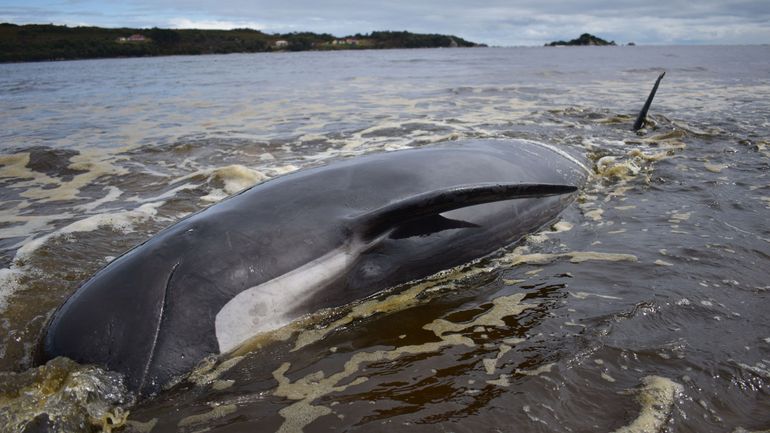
150,314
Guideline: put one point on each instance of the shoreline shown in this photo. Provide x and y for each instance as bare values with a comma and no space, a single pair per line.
14,62
44,42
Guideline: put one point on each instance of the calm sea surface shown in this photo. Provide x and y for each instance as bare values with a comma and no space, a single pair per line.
646,308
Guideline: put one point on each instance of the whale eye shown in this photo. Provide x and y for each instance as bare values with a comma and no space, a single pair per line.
370,268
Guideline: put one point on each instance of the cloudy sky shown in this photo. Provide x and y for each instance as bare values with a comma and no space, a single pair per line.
495,22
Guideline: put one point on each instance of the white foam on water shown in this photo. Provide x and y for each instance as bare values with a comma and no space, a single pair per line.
234,177
609,167
490,364
561,226
166,195
119,221
759,368
9,283
714,168
656,397
311,387
537,371
237,177
519,256
584,295
606,376
23,225
215,195
595,214
34,185
217,411
113,193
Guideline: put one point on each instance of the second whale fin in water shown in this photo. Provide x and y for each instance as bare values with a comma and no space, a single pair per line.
421,206
642,118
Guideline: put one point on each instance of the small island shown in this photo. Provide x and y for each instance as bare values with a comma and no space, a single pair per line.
584,39
41,42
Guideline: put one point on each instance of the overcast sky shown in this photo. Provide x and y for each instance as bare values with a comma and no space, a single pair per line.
494,22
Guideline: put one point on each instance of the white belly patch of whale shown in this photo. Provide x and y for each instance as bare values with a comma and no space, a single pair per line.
267,306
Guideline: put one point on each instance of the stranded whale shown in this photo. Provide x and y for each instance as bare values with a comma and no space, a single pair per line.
316,238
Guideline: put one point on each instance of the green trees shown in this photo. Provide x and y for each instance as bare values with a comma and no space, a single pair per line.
164,37
51,42
404,39
584,39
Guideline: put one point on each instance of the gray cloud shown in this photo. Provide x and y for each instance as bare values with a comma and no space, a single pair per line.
497,22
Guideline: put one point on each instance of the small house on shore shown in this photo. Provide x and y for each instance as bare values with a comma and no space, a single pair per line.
133,38
346,41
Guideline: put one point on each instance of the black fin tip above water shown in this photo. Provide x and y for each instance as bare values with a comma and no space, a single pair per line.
642,118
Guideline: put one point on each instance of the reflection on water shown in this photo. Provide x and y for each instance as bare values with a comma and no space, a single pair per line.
643,309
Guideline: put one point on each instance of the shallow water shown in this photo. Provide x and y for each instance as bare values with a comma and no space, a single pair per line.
643,309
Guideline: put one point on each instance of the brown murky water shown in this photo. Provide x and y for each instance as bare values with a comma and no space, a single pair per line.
644,309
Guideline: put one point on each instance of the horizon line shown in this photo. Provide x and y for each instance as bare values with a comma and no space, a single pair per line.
488,45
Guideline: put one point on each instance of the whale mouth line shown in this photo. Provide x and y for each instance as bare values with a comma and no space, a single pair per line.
156,334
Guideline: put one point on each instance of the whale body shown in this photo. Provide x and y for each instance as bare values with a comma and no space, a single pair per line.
315,238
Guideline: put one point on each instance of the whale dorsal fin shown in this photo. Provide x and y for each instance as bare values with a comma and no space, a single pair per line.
435,202
642,118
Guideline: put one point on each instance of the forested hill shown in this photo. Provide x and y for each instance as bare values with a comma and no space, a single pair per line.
584,39
35,42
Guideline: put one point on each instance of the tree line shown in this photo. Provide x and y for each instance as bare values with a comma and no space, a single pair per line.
38,42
